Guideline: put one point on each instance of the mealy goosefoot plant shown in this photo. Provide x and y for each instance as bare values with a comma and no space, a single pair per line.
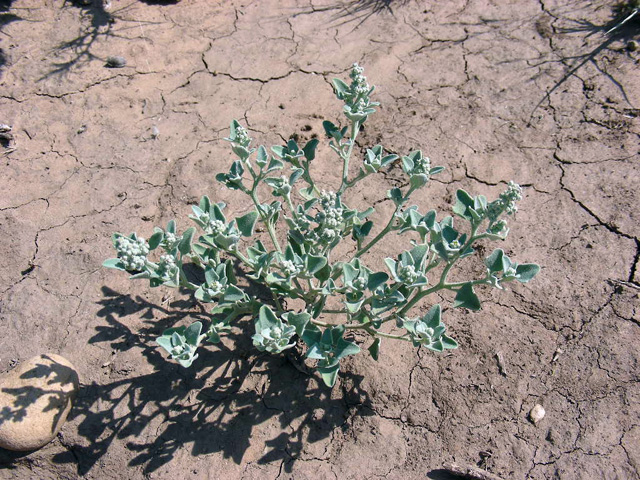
301,268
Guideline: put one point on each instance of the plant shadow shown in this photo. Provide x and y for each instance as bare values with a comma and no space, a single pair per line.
100,23
358,11
212,407
623,26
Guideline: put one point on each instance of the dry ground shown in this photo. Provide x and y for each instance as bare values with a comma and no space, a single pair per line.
530,90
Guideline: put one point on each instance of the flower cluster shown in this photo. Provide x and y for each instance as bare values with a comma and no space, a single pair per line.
359,89
408,274
290,269
170,241
274,339
132,252
214,288
424,333
422,165
506,201
167,269
242,137
329,218
216,227
510,196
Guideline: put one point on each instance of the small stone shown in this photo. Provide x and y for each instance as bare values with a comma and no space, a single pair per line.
536,414
116,62
35,399
632,45
4,128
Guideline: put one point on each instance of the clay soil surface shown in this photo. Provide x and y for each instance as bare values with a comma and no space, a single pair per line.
533,91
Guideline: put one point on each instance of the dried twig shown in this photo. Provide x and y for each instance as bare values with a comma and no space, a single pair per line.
472,473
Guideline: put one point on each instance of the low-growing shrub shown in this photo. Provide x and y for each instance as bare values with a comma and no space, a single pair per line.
335,297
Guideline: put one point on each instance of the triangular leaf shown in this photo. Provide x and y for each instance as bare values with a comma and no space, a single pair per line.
298,320
247,222
466,298
374,349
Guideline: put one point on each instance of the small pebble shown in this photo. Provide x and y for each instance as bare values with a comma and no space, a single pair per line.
4,128
116,62
537,413
82,129
632,46
155,132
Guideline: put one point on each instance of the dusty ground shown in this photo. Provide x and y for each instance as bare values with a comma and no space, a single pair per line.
531,91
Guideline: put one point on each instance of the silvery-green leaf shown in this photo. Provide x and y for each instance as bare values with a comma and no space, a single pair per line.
155,239
295,175
376,279
329,374
526,272
418,254
324,273
262,156
310,149
266,319
185,243
374,349
433,317
247,222
205,204
448,342
318,306
388,160
349,273
494,261
331,130
114,263
395,194
467,298
345,348
298,320
418,180
311,335
392,265
340,87
274,164
192,333
233,294
464,202
313,263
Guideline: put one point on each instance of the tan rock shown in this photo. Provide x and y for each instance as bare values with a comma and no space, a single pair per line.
35,399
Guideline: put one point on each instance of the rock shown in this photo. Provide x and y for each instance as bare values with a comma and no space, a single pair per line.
35,399
537,413
116,62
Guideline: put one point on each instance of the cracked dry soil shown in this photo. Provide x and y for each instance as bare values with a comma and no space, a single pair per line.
529,90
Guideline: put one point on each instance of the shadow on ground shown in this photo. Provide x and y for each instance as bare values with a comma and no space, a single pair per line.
99,22
214,406
623,28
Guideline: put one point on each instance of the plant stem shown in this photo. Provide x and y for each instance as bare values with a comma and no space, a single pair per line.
264,218
387,228
442,284
355,129
389,335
